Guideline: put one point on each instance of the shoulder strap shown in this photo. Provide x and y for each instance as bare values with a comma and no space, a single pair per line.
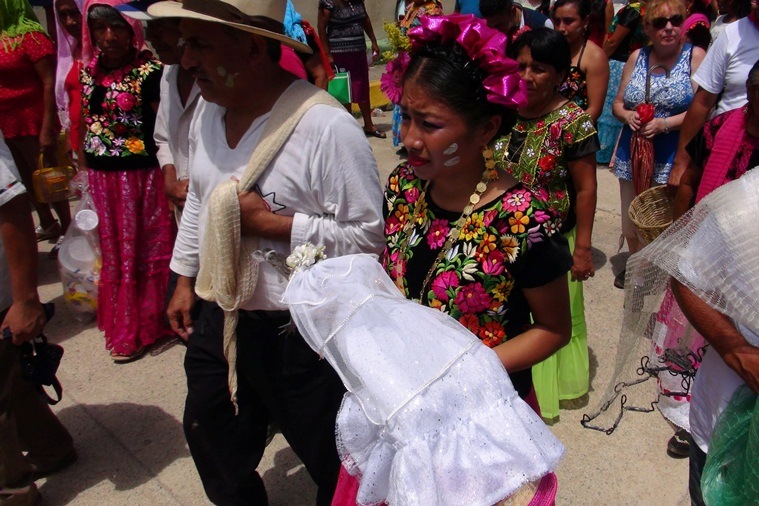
582,52
287,112
227,276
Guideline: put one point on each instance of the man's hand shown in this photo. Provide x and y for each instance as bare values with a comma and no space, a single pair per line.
176,191
179,308
25,320
257,219
253,212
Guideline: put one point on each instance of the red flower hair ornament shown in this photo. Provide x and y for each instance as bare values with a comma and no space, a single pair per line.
484,46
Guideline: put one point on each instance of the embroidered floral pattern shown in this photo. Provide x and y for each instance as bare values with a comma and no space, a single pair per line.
575,87
474,282
541,164
114,126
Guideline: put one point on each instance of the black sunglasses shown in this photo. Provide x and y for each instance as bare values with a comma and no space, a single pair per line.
661,22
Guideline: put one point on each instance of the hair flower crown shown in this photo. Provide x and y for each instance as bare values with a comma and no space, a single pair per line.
484,45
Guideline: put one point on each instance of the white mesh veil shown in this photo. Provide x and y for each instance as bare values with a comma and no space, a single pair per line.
713,250
431,416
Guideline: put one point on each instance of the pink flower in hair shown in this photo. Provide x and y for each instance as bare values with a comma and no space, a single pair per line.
392,79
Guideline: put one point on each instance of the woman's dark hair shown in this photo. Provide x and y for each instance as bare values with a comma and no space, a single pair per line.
583,6
447,73
546,46
593,10
584,10
742,8
700,36
106,13
702,7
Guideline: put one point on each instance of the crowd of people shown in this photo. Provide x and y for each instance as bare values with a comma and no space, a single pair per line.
209,143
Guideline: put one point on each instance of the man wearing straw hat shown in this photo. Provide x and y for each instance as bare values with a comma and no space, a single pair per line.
274,163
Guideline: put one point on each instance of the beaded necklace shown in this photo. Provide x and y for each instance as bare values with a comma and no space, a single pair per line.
453,233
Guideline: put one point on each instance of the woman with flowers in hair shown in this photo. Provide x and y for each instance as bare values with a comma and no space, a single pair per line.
463,236
551,149
120,93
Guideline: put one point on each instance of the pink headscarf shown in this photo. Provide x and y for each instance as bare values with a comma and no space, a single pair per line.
67,46
88,50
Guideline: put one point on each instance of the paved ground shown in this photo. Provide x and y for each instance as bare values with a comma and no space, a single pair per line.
126,419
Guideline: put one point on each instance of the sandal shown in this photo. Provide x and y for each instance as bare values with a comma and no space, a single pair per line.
375,133
125,358
45,234
678,446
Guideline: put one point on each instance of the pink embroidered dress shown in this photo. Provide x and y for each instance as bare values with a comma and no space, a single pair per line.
126,184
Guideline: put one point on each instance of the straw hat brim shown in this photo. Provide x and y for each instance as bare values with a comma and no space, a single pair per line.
173,9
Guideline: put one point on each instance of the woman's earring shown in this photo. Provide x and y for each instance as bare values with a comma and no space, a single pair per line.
487,155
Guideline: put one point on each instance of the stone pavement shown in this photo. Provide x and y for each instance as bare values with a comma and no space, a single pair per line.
126,419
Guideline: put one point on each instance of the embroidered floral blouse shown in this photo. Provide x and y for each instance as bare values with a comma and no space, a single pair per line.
575,87
537,151
505,246
118,116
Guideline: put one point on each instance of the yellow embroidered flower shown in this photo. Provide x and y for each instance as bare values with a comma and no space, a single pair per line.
510,247
96,128
401,213
517,222
135,145
472,227
145,69
502,290
487,244
420,211
393,184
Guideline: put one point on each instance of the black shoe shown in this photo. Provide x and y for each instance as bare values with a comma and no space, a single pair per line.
619,280
678,446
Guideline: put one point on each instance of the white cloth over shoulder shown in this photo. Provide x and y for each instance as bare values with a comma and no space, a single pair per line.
431,416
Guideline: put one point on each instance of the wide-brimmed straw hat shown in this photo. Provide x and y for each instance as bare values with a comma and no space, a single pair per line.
137,9
246,15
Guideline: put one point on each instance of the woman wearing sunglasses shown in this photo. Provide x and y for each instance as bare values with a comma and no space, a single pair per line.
669,94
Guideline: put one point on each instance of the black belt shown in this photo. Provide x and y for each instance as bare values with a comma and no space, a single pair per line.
265,315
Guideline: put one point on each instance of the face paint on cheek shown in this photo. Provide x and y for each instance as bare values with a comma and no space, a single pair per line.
452,162
230,81
451,149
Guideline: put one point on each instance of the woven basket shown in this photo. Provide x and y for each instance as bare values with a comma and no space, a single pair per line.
651,212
